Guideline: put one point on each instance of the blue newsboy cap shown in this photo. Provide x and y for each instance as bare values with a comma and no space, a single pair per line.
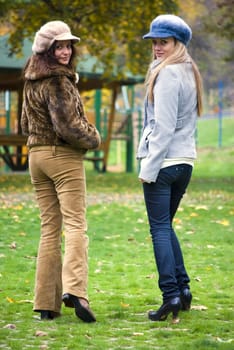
165,26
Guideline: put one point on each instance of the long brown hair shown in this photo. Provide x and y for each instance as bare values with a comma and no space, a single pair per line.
179,55
47,59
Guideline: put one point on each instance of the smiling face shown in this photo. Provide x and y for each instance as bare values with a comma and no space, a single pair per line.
63,51
163,47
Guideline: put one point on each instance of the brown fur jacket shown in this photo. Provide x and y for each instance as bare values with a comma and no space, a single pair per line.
52,112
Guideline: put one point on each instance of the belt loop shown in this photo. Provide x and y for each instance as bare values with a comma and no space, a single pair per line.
54,150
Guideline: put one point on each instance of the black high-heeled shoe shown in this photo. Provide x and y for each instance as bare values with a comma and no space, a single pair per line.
81,306
46,315
161,314
186,299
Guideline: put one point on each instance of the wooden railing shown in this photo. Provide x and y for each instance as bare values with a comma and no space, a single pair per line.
14,153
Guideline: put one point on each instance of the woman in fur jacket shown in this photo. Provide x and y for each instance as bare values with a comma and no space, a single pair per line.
59,134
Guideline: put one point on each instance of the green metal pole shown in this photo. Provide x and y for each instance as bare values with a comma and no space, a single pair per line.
8,114
97,106
129,146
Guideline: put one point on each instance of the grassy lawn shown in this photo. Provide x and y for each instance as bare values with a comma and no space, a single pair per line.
122,276
215,132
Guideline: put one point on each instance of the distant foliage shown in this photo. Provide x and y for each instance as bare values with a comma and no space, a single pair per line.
222,19
111,30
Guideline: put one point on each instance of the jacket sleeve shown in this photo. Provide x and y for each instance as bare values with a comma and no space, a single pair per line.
24,121
67,114
166,95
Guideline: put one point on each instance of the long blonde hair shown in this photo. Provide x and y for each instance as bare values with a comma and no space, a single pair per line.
179,55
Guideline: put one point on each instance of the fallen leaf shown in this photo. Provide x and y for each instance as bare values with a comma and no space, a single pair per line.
137,334
175,320
199,307
16,217
24,301
191,232
10,300
170,329
224,341
10,326
177,221
23,234
194,214
29,257
198,279
223,222
88,336
13,245
112,237
208,268
124,305
40,334
204,207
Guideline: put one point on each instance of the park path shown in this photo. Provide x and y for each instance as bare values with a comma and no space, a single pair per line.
11,199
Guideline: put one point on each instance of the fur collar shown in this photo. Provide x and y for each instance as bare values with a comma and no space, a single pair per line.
37,68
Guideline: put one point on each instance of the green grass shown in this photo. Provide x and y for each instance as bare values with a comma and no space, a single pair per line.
122,275
215,133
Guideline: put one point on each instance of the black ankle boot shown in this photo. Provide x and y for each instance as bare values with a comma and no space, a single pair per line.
186,299
81,306
46,315
161,314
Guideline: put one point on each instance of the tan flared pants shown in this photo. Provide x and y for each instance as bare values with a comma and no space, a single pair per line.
58,176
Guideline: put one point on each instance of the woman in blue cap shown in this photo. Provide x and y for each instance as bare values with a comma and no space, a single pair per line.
167,152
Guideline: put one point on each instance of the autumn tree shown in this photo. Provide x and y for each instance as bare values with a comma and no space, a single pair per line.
112,30
212,44
221,18
109,30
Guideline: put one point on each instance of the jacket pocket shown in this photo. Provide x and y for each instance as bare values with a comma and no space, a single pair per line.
144,141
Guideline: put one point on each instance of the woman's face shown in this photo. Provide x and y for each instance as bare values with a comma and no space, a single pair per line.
163,47
63,51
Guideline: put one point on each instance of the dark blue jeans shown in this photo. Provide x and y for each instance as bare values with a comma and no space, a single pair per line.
162,199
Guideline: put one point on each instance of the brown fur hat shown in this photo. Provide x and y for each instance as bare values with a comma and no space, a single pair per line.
49,33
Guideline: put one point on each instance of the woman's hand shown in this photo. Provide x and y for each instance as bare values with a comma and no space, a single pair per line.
144,181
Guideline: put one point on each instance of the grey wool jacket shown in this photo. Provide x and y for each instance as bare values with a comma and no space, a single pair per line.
52,111
170,121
